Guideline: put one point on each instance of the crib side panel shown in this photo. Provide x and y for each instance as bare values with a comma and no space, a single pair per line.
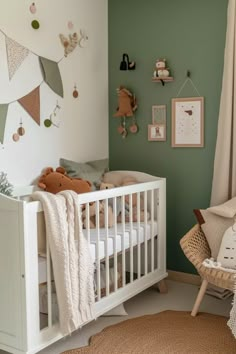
11,277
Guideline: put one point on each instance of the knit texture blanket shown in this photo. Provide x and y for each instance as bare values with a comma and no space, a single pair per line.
72,265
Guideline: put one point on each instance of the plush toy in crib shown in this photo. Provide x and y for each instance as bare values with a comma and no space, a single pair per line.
56,181
126,181
92,216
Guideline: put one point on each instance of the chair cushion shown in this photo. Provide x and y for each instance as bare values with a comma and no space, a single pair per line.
214,227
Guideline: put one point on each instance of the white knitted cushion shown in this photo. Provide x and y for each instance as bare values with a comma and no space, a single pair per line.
227,252
213,227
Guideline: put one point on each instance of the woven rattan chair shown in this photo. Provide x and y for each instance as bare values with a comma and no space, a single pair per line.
196,249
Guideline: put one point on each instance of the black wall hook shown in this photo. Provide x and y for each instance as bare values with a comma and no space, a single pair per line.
126,64
188,73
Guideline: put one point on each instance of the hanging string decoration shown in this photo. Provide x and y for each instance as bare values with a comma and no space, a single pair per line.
20,132
16,54
75,92
33,8
49,122
69,43
83,39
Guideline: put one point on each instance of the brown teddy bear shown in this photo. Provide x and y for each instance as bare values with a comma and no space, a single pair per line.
56,181
92,216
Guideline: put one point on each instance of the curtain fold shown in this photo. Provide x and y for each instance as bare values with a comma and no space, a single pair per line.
224,176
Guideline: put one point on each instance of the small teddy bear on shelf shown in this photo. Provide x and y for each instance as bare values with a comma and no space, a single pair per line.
160,69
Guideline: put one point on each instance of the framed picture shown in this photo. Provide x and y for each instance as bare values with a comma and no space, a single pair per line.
188,122
156,132
159,114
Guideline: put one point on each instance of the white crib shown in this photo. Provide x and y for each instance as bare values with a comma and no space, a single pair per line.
137,249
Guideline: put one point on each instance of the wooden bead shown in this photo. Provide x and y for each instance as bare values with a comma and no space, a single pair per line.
15,137
21,131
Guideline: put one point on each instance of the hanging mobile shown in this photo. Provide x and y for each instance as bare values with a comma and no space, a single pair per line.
75,92
49,121
21,130
134,127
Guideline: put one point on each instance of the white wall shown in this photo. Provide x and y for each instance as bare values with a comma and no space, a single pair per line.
83,132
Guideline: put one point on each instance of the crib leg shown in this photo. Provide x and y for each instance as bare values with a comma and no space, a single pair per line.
162,286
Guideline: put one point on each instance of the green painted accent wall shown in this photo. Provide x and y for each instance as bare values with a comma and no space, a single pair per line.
190,34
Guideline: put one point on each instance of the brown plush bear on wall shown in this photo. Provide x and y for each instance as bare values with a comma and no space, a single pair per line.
56,181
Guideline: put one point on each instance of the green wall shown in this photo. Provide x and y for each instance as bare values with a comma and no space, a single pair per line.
190,34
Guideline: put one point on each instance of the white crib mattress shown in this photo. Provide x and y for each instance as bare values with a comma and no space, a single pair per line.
111,246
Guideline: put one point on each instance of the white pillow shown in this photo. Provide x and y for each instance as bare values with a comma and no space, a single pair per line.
227,252
116,311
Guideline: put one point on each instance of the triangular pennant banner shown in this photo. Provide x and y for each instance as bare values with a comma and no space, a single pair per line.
52,75
16,54
31,103
3,118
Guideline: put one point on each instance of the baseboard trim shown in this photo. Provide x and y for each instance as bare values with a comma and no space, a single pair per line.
184,277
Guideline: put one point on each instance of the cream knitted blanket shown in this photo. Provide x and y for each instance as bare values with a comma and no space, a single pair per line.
72,266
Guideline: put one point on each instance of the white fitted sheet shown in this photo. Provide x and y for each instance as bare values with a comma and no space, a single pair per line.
111,239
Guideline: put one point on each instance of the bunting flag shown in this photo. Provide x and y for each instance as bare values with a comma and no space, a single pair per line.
16,54
31,104
3,118
52,75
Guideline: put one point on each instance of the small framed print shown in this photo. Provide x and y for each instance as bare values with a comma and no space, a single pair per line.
159,114
188,122
157,132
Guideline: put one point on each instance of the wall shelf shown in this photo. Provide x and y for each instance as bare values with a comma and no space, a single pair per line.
162,79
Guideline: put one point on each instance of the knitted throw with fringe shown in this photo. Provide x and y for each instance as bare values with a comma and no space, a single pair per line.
72,266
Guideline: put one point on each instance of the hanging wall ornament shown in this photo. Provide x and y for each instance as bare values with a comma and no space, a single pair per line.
75,92
21,129
134,126
35,24
33,8
83,39
49,121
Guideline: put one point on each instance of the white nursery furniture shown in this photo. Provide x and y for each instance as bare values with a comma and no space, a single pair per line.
135,248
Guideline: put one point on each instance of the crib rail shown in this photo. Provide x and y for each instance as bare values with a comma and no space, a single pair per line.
127,244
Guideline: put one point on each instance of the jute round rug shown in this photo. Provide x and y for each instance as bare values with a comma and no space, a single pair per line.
168,332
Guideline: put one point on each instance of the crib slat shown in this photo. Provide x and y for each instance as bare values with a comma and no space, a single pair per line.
123,240
145,233
87,222
138,235
106,250
131,238
98,252
114,242
152,230
49,286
